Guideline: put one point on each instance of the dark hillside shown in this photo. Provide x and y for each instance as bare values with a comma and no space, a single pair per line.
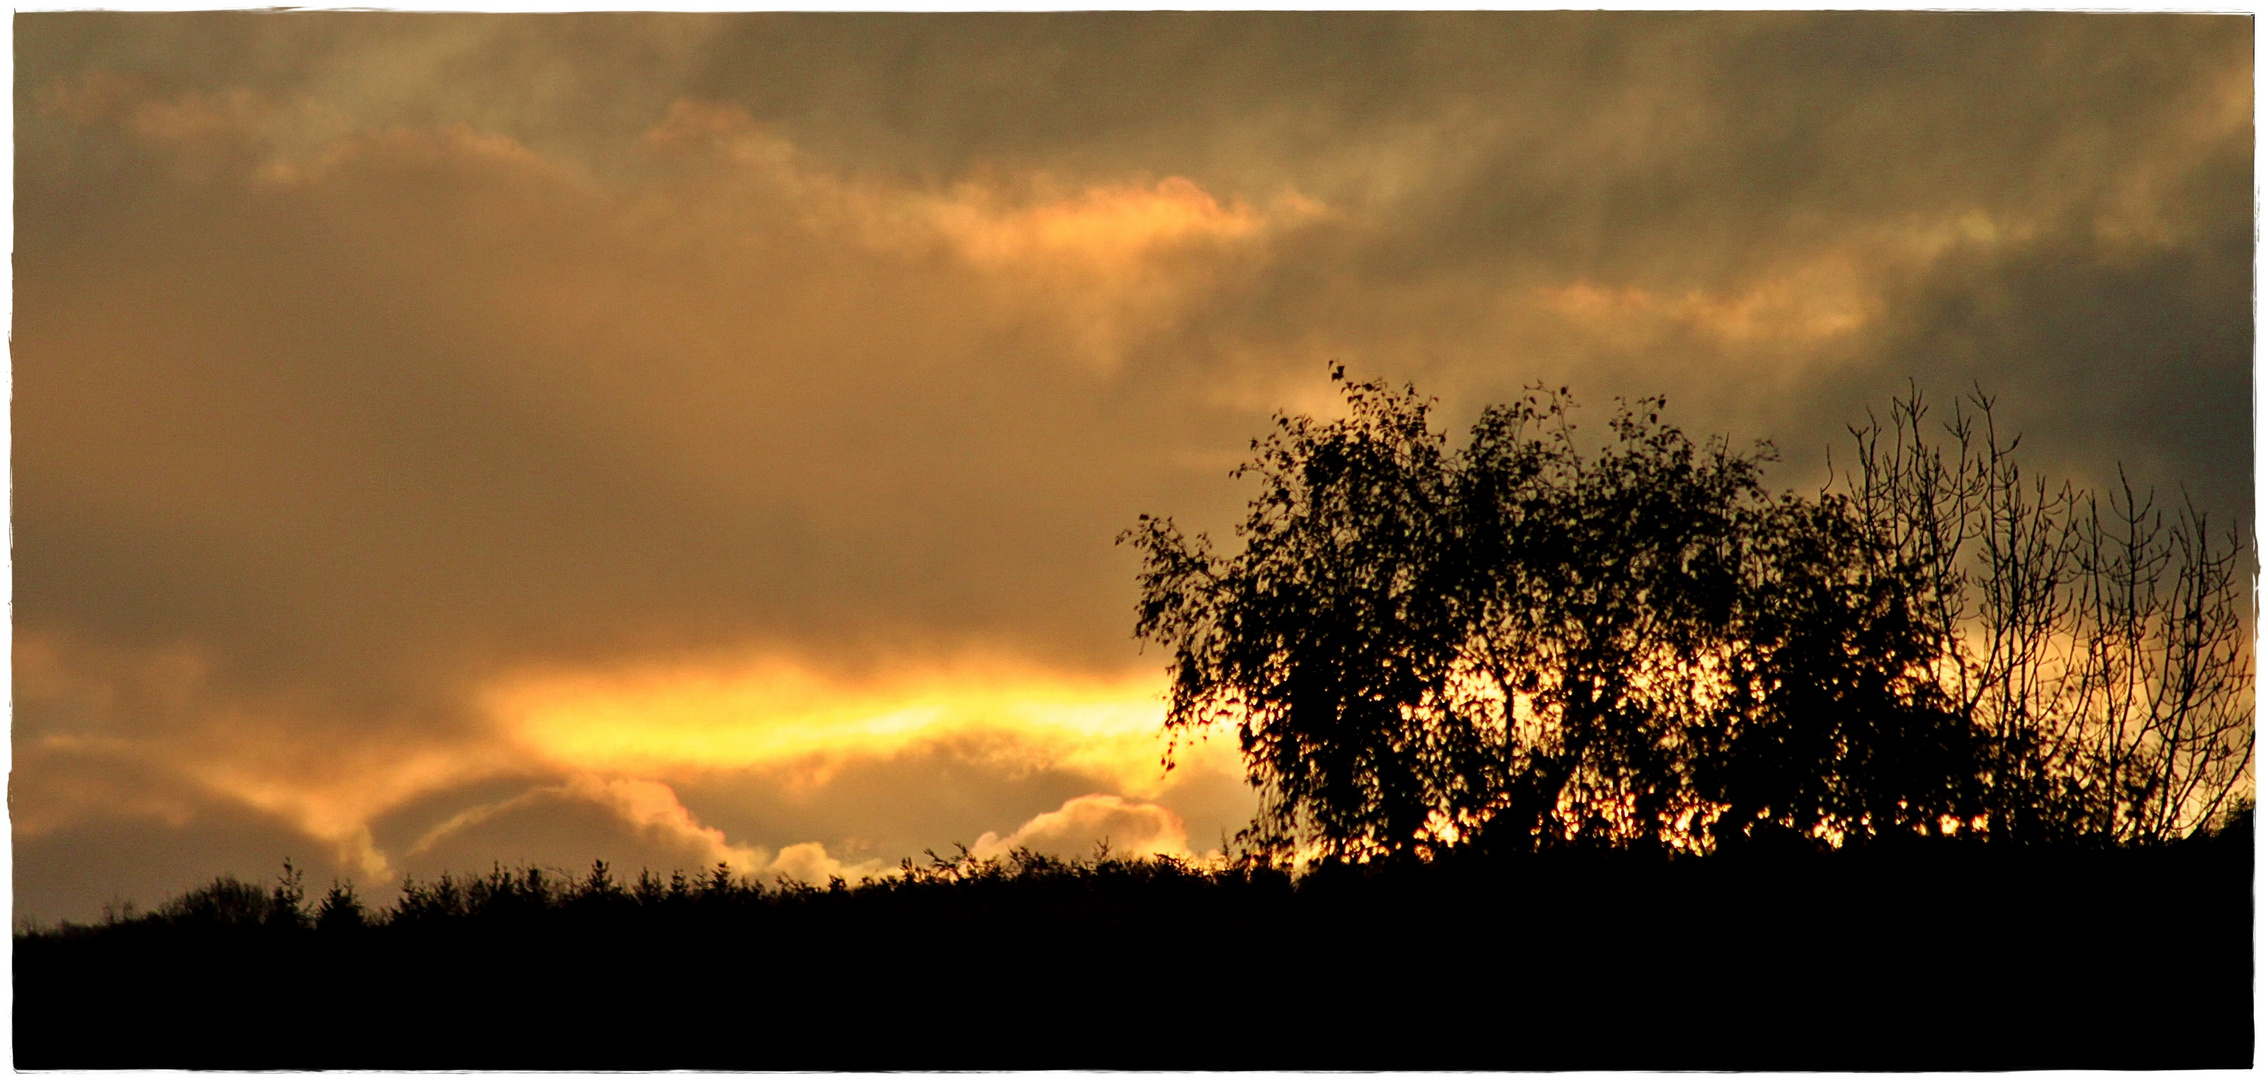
1933,957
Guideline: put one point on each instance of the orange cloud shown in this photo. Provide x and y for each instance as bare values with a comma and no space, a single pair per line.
993,221
614,738
654,824
1833,292
1104,225
646,805
207,130
157,716
1111,260
1799,307
1130,828
769,712
809,862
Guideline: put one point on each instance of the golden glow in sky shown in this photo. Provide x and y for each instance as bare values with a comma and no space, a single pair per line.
448,439
768,714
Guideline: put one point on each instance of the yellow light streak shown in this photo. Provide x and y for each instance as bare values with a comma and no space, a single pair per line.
770,712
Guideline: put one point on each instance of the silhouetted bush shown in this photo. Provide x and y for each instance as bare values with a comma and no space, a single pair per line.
229,902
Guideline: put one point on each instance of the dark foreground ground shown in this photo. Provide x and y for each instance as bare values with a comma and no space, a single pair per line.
1946,959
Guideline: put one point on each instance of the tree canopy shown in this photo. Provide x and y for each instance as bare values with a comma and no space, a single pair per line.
1524,644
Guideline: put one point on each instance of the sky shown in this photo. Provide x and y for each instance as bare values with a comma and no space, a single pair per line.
449,440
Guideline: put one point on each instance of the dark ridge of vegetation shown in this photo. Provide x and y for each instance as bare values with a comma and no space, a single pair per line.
1525,646
1584,761
1932,955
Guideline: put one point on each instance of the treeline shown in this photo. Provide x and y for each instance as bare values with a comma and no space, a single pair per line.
1524,644
1921,957
536,895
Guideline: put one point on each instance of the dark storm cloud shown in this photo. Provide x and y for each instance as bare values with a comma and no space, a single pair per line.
368,363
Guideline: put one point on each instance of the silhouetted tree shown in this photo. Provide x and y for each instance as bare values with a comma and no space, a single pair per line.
1414,644
1602,592
287,899
2101,652
340,909
1328,639
1833,724
1539,647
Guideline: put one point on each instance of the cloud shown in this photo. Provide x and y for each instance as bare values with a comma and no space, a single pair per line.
809,863
770,712
414,414
104,732
1083,824
649,810
633,824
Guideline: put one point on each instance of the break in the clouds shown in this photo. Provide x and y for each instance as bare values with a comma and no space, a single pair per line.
678,439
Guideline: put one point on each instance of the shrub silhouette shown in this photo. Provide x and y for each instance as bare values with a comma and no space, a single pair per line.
225,901
1526,646
228,901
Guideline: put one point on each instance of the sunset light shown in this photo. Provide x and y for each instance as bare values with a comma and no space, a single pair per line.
925,535
771,715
